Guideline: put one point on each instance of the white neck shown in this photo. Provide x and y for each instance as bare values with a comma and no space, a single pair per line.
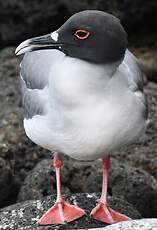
74,80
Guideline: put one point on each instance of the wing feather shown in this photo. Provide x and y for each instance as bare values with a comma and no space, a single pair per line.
35,73
135,75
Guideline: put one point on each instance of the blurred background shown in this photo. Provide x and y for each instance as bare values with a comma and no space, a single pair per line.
137,183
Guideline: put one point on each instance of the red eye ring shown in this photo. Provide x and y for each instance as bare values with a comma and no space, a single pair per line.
82,34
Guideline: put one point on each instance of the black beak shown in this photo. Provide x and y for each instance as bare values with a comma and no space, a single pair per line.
39,43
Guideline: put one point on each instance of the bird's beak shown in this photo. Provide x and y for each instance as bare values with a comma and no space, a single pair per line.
49,41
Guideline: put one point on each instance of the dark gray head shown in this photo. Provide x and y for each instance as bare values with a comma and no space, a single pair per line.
90,35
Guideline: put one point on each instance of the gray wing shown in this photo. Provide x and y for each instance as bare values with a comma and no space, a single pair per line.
135,75
35,73
32,100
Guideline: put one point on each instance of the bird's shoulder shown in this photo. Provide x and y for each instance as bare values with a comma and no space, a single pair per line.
134,77
133,72
35,67
35,71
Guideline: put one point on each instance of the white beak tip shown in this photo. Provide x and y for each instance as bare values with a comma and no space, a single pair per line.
54,36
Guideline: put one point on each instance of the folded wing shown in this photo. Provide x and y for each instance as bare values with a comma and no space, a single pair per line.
35,74
135,75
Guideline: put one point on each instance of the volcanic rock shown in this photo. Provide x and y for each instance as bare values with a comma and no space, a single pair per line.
24,215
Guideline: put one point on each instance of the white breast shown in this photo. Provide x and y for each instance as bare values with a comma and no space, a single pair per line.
90,113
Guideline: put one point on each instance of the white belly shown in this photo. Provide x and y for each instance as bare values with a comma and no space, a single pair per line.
89,113
90,132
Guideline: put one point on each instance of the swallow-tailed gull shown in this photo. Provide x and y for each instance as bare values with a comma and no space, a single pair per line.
83,96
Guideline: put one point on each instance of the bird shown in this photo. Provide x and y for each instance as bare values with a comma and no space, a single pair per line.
82,93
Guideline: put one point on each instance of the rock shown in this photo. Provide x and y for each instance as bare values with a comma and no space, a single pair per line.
9,185
6,178
40,182
15,147
24,215
126,182
134,185
143,224
148,59
27,19
9,87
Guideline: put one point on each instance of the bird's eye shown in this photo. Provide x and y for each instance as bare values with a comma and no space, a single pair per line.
82,34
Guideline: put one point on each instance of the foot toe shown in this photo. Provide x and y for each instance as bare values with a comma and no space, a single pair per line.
107,215
61,213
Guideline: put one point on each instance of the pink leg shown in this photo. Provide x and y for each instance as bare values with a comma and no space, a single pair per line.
102,211
62,211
